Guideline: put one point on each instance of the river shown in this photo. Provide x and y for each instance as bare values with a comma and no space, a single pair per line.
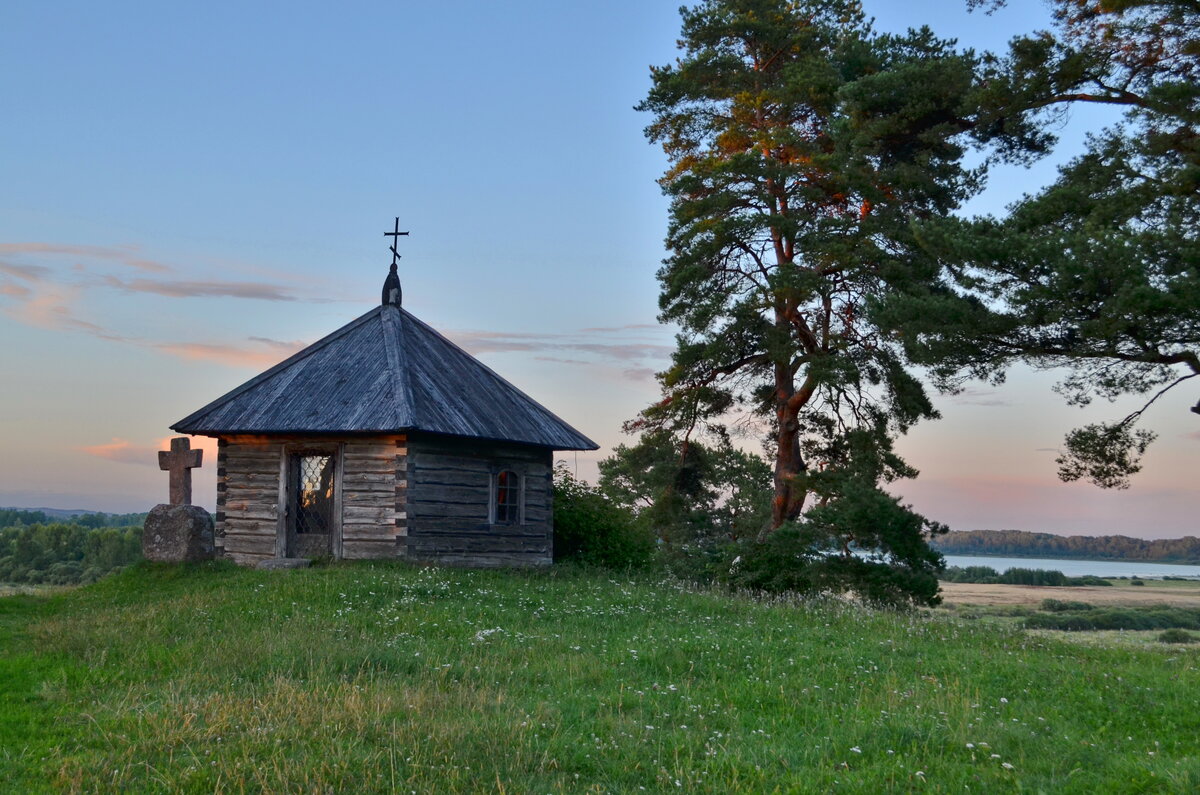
1079,568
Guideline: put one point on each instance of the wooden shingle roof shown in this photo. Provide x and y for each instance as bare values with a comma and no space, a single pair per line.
385,372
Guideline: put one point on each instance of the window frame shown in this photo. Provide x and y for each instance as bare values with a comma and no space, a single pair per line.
517,491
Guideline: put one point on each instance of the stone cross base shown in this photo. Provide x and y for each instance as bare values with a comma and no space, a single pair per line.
178,534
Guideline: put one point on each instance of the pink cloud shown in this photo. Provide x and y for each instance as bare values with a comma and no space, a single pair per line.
205,443
15,290
124,452
264,353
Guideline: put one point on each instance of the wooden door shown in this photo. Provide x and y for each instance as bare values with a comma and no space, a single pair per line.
313,504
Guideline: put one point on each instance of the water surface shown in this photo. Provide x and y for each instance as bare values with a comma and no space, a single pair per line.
1079,568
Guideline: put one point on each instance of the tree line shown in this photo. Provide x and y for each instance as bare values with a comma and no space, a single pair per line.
11,517
1022,543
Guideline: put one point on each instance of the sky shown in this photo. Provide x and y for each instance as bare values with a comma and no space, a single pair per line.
191,192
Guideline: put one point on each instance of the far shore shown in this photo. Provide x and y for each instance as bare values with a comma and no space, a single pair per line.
1059,555
1170,592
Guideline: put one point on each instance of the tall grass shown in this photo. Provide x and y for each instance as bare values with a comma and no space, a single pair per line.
383,677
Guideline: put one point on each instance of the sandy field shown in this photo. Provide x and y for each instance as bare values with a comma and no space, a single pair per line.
1181,594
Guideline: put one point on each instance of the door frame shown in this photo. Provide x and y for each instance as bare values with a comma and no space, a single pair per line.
288,454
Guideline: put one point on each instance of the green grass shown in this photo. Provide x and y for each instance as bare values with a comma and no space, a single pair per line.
383,677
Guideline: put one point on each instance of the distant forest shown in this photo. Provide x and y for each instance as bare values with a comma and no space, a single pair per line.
1019,543
35,549
10,517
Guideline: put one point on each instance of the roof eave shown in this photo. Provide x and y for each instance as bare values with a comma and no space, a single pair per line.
179,427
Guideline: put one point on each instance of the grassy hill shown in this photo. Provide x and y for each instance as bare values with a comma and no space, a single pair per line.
384,677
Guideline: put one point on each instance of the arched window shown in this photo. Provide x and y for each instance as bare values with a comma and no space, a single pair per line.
508,497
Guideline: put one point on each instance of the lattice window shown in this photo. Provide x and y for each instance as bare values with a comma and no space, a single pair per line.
314,493
508,497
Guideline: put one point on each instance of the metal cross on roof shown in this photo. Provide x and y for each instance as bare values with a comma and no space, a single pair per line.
395,236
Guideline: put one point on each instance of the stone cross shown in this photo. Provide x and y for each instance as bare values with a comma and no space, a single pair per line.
180,461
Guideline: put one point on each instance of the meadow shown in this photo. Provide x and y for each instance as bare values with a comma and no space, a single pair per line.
384,677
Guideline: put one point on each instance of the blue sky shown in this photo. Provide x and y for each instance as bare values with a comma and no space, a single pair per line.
191,192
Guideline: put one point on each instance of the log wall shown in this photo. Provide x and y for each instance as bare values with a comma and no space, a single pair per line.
372,518
251,469
448,495
247,499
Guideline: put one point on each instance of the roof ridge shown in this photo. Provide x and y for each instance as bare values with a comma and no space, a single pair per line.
402,399
303,353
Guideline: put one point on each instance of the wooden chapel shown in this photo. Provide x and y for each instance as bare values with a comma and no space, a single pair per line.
384,439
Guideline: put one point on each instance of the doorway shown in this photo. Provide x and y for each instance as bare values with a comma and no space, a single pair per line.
313,510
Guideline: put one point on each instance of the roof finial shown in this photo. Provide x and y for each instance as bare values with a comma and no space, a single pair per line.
391,285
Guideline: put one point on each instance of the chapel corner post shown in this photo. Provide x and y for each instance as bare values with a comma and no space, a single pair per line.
177,531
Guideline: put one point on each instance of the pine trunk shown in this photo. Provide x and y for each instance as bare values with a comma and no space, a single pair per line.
791,490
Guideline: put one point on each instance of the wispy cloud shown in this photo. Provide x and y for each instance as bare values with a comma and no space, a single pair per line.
477,342
560,360
29,273
20,281
640,373
618,329
86,274
51,307
215,288
55,296
979,397
1194,436
126,255
50,297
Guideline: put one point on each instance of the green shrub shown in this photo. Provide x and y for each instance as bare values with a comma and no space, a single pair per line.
1176,635
1016,576
591,529
1061,606
1136,581
1088,579
1150,617
984,575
